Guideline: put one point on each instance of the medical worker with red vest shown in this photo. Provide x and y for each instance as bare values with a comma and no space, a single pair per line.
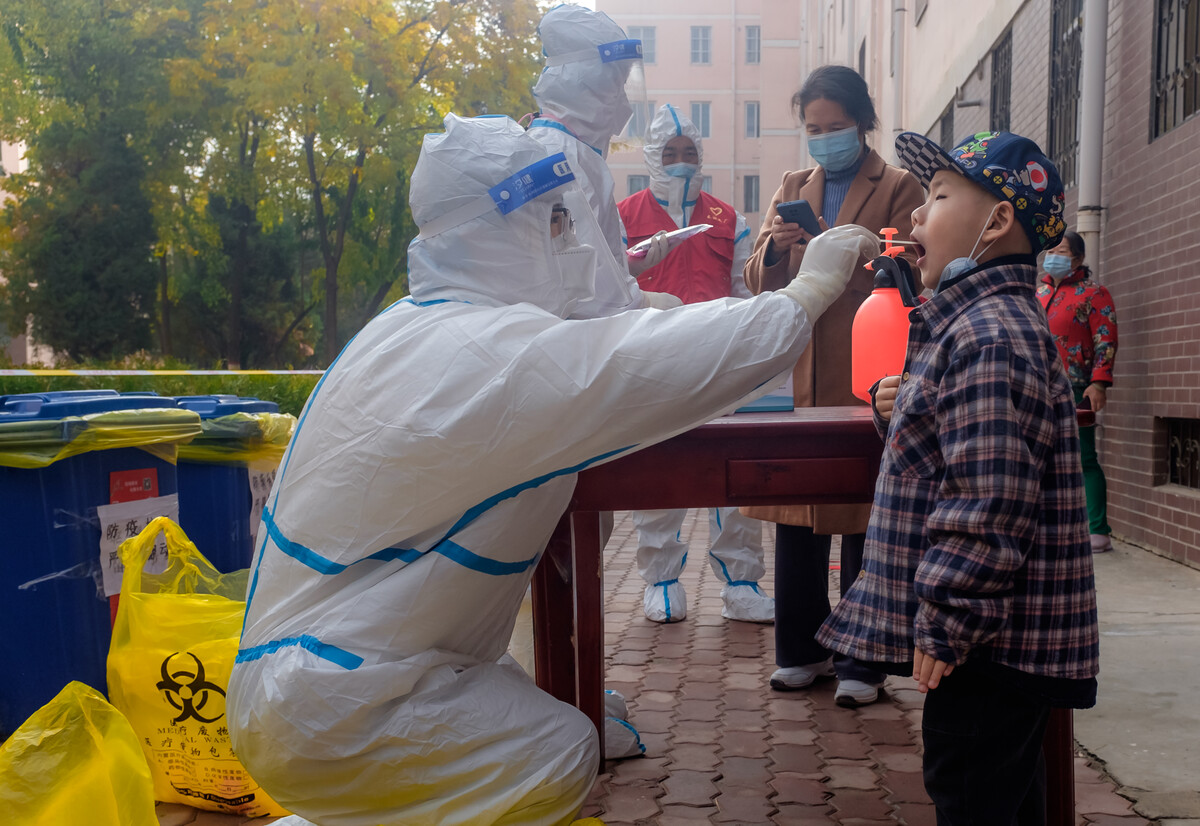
704,267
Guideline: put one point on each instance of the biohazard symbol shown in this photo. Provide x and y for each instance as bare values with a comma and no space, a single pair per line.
187,690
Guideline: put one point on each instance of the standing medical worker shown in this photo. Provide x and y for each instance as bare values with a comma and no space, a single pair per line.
699,269
585,94
427,473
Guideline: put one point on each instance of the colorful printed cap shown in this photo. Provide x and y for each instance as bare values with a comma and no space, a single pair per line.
1011,167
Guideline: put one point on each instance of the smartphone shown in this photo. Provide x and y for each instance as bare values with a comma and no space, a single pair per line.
799,212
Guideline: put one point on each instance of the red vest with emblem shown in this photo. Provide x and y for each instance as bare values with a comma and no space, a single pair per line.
697,269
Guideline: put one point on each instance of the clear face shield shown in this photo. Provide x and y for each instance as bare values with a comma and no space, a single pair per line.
627,56
574,261
529,209
616,81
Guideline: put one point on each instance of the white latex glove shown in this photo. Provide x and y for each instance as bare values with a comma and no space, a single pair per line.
829,261
654,255
660,301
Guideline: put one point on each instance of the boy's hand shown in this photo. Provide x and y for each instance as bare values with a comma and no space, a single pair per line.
885,396
928,671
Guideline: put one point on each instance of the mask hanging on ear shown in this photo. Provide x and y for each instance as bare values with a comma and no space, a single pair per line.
961,265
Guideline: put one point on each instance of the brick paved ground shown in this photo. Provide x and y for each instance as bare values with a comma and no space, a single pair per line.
722,748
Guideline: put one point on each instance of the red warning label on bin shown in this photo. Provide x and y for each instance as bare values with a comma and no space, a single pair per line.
132,485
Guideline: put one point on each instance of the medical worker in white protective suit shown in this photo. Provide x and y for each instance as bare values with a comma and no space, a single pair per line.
427,473
699,269
583,95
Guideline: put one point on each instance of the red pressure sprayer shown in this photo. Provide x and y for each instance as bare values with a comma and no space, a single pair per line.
879,336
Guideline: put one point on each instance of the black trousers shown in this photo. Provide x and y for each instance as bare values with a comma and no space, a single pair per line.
983,751
802,598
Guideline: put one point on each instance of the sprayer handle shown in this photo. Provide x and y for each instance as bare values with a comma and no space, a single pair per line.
904,281
900,273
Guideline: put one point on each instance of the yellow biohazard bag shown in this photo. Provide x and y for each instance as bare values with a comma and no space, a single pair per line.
173,646
75,760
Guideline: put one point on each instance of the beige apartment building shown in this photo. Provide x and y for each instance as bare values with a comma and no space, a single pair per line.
732,65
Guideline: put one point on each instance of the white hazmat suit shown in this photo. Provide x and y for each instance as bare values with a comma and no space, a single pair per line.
735,541
583,104
428,470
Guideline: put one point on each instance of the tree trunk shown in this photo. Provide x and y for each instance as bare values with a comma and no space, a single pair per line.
331,247
164,330
233,354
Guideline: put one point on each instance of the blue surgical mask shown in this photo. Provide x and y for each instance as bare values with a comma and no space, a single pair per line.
967,263
836,151
681,170
1056,265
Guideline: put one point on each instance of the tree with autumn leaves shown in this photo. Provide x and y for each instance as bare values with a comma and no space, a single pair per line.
225,181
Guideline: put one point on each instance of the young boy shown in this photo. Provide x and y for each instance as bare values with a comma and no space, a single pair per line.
977,566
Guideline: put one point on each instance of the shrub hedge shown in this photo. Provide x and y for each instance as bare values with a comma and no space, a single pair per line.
288,391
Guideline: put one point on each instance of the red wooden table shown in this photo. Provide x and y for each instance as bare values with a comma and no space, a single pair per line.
824,455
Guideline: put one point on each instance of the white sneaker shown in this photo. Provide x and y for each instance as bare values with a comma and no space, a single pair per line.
747,603
665,603
801,676
855,693
1101,543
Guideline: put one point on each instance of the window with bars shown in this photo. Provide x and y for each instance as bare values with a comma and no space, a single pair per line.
1002,84
1183,452
946,128
646,35
701,40
1176,63
752,128
638,182
1062,127
753,44
701,110
750,193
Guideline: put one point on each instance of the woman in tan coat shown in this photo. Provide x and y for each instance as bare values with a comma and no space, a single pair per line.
850,185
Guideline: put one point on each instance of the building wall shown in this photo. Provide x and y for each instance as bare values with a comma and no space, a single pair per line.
1031,70
1149,258
727,83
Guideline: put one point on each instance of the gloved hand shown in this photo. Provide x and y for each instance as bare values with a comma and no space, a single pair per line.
660,301
654,255
829,261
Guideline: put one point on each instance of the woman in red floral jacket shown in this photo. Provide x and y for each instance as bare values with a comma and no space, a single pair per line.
1084,323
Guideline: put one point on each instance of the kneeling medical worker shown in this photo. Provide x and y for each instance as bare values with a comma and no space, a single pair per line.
429,468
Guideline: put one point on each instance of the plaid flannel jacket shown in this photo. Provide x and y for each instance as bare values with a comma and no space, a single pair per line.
978,540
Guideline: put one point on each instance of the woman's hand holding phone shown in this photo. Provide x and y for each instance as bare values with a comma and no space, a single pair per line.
784,235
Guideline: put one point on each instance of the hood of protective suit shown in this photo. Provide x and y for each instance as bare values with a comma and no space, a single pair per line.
674,193
585,95
473,246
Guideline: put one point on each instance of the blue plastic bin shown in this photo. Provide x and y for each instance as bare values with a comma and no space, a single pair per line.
58,452
239,435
